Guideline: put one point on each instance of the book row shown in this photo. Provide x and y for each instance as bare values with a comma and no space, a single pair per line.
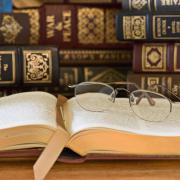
74,75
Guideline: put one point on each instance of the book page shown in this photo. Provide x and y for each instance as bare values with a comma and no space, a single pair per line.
120,116
29,108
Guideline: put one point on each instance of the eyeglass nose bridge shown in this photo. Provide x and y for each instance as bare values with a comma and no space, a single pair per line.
116,91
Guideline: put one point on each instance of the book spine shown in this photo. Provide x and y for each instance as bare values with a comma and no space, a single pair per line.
144,81
20,27
40,65
38,3
80,26
66,26
156,57
151,5
76,74
28,66
93,1
148,26
73,57
10,69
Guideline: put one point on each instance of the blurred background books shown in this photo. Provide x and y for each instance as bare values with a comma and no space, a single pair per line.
47,45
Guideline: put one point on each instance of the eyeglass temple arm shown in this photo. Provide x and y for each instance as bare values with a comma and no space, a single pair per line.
72,86
150,100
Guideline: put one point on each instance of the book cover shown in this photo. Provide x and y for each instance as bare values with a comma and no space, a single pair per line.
143,26
156,57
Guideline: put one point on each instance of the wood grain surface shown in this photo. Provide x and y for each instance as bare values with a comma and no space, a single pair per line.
102,170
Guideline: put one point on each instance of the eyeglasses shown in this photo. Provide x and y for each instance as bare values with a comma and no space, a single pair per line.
146,104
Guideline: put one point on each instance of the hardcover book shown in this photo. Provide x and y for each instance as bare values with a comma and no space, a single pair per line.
38,119
94,57
76,74
145,80
38,3
29,66
151,5
80,26
156,57
143,26
63,25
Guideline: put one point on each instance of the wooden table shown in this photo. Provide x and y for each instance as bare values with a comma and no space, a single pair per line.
105,170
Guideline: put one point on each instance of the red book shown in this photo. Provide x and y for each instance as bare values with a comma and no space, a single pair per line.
156,57
67,26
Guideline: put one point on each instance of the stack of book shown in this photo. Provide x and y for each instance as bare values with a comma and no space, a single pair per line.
52,45
154,26
62,43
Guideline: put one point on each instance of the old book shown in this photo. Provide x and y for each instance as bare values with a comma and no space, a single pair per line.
38,3
156,57
76,74
38,119
143,26
80,26
171,81
29,66
85,57
66,26
151,5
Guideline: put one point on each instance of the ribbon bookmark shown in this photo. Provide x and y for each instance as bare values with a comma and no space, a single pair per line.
50,154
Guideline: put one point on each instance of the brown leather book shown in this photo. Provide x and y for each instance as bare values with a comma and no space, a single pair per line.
83,57
171,81
80,26
28,66
38,3
66,26
156,57
76,74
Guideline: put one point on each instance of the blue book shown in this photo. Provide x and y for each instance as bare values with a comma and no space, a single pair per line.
5,6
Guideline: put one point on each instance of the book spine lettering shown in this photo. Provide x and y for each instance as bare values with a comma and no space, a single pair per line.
95,57
148,26
156,57
81,27
151,5
66,26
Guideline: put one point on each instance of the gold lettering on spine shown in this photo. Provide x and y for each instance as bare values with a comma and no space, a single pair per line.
50,23
170,2
95,56
160,27
64,26
2,66
164,29
67,26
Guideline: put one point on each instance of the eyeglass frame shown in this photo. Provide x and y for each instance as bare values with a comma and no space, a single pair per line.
145,94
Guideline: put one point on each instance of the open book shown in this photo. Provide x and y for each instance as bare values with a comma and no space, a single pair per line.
38,119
